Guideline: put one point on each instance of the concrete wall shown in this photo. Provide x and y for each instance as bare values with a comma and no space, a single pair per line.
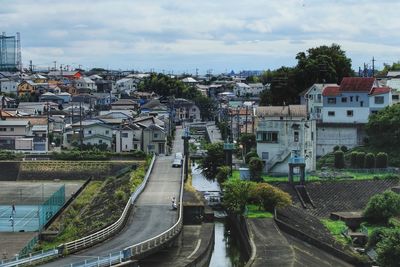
330,136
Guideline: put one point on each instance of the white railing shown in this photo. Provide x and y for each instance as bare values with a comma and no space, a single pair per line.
29,259
113,228
165,236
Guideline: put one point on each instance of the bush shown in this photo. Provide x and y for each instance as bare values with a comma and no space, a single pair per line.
388,249
339,159
223,174
344,148
336,148
353,159
381,207
376,236
370,161
268,197
256,167
381,160
251,154
361,160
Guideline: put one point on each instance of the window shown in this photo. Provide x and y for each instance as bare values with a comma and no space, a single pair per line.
331,100
89,132
312,136
310,97
12,129
331,113
379,99
3,129
351,99
344,99
268,137
124,135
107,132
319,97
135,146
100,141
361,103
155,135
357,97
395,97
349,113
264,155
296,136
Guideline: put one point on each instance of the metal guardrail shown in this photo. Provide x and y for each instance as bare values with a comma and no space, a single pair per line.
29,259
113,228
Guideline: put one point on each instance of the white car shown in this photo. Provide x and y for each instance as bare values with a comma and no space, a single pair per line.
177,163
179,155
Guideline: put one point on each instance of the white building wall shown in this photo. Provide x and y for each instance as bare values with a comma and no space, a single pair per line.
360,115
9,86
330,136
387,100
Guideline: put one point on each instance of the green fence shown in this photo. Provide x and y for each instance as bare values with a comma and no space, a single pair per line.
29,247
51,206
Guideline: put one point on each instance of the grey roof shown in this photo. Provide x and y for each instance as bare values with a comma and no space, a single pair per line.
14,122
282,111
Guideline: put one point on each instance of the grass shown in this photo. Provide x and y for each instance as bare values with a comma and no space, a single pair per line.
336,228
253,211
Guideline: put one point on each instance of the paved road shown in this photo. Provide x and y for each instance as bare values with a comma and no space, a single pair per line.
153,214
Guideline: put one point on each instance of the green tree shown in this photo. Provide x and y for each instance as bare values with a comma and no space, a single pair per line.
223,174
381,160
248,141
370,161
383,128
353,159
214,159
268,197
256,166
207,107
381,207
339,159
248,156
361,160
236,195
388,249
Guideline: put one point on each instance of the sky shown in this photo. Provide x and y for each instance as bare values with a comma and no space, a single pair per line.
209,35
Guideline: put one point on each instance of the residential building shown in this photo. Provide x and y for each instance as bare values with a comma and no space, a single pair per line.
312,98
129,138
85,84
185,110
282,130
70,75
8,86
154,139
126,85
252,89
121,104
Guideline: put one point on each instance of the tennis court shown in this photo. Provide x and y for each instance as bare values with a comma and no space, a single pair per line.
25,218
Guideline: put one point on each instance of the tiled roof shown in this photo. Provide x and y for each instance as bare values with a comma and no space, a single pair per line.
331,91
379,90
356,84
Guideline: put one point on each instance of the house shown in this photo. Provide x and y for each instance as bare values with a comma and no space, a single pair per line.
185,110
128,138
70,75
312,98
104,99
126,85
94,132
12,130
282,130
252,89
50,97
189,81
124,104
154,139
85,84
8,86
379,98
30,88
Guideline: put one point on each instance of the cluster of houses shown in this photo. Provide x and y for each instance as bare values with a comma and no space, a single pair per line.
329,115
66,110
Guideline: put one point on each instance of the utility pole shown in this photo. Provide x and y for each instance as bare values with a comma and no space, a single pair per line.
373,66
238,122
80,125
186,138
247,110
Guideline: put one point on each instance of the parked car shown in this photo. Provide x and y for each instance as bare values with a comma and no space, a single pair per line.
179,155
177,163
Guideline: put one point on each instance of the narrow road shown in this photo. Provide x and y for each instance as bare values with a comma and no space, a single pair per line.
152,215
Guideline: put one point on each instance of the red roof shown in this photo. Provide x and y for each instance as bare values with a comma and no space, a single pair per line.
357,84
379,90
331,91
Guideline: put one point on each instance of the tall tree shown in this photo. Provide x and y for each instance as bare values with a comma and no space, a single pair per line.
214,159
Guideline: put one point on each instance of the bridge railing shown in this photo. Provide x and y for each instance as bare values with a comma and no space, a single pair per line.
165,236
113,228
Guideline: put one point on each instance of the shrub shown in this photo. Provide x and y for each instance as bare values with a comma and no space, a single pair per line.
370,161
256,167
336,148
361,160
381,160
223,174
388,249
251,154
381,207
344,148
376,236
353,159
268,197
339,159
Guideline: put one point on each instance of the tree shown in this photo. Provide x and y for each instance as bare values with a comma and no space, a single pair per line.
361,160
223,174
388,249
370,161
207,107
248,156
381,207
248,141
256,166
353,159
236,195
214,159
383,128
381,160
268,197
339,159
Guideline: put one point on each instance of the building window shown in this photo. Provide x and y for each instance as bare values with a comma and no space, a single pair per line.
312,136
155,135
331,100
357,98
265,155
3,129
351,99
331,113
267,137
296,136
361,103
12,129
124,135
135,146
349,113
344,99
319,97
100,141
107,132
395,97
379,99
89,132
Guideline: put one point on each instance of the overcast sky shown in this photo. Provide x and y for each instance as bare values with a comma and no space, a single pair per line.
182,35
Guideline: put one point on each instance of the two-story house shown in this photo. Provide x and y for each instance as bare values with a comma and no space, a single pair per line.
85,84
185,110
126,85
312,98
280,131
128,138
154,139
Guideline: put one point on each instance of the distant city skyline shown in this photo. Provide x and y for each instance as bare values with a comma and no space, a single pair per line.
182,36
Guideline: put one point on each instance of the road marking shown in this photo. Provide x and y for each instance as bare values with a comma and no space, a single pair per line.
195,250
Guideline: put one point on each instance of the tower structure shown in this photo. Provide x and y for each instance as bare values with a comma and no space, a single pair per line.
10,53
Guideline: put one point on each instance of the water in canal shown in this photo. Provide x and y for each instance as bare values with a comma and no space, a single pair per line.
227,251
